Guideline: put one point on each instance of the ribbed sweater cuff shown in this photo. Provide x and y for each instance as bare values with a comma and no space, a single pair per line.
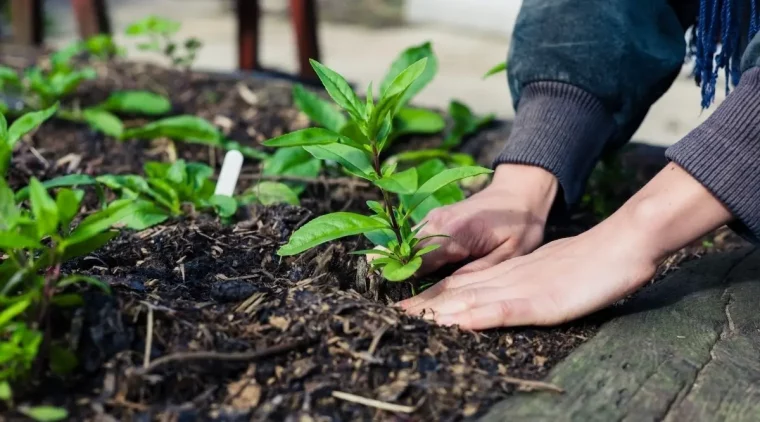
723,153
562,129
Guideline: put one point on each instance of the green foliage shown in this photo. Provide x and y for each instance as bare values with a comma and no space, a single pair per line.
358,151
157,34
185,128
465,123
9,136
501,67
136,102
35,240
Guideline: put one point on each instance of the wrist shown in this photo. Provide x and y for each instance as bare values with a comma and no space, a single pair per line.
536,187
670,212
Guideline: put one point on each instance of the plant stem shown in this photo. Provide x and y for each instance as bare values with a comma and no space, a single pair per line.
386,198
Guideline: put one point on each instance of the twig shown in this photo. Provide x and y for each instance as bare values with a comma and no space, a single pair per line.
210,355
345,181
376,339
148,338
532,385
377,404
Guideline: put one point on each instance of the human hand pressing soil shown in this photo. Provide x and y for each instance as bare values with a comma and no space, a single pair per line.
503,221
573,277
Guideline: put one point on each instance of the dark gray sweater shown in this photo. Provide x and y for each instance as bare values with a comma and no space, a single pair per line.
583,76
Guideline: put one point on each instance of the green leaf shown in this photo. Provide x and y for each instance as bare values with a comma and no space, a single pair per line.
10,240
76,278
104,121
427,249
427,154
444,196
137,102
339,90
380,252
68,201
396,271
292,161
404,182
318,110
103,220
304,137
3,128
6,394
248,152
44,209
406,59
270,193
62,360
67,300
8,209
181,128
380,237
70,180
326,228
391,98
148,215
352,159
501,67
28,122
177,172
85,246
13,311
44,413
441,180
225,206
465,123
9,76
417,120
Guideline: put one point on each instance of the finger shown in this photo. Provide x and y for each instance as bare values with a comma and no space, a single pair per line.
447,284
505,313
449,251
505,251
460,300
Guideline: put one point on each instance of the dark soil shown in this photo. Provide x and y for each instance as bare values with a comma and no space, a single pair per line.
206,322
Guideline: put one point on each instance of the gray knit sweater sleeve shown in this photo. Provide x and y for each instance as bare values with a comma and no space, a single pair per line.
580,91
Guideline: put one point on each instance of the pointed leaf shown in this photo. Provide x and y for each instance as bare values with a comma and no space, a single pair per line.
271,193
443,179
292,161
103,220
339,90
225,206
137,102
427,249
28,122
8,209
103,121
12,311
68,201
372,252
70,180
319,111
353,159
6,394
417,120
404,182
409,56
11,240
44,209
181,128
76,278
496,69
396,271
88,245
62,360
304,137
326,228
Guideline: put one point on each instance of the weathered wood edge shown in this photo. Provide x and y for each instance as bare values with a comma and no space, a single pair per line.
685,349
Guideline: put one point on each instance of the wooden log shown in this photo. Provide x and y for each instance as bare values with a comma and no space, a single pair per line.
92,17
304,17
248,17
27,22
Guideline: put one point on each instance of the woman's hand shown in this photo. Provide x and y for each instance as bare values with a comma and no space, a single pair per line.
573,277
504,220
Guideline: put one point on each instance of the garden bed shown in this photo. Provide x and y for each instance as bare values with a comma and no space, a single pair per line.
205,320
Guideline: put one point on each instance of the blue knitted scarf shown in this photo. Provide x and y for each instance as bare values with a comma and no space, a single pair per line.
720,24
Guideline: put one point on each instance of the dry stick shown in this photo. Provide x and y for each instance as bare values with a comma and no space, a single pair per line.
209,355
149,338
377,404
532,385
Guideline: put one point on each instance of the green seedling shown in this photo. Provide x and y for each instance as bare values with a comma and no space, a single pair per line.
9,136
34,243
358,153
157,35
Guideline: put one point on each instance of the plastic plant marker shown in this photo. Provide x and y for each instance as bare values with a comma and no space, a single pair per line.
228,177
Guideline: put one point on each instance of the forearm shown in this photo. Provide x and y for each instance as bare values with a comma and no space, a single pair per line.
671,211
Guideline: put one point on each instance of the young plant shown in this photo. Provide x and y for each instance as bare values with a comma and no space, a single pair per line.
34,243
157,35
9,136
358,153
499,68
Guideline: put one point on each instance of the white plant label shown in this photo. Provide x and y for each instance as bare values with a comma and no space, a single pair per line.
228,177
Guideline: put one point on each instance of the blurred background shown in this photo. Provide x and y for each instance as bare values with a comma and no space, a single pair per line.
360,38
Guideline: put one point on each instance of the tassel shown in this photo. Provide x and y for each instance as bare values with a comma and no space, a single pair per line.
719,23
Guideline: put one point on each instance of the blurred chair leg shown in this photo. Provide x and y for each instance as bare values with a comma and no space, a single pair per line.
92,17
304,16
248,34
27,22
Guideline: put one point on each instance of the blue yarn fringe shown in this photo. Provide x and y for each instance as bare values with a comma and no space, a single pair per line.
719,23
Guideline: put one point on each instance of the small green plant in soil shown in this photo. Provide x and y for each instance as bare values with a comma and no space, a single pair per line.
9,136
358,153
157,34
35,242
